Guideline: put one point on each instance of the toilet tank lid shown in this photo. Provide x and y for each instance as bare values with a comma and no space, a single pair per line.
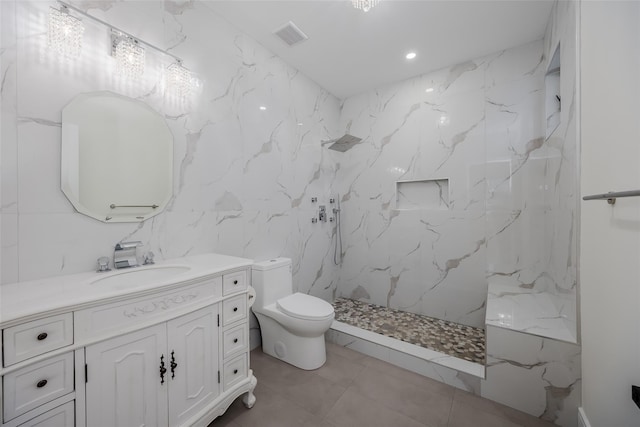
271,263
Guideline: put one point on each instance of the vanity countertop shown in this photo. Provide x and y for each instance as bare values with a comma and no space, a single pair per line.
23,299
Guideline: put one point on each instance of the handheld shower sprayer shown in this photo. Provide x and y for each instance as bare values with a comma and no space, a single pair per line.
337,254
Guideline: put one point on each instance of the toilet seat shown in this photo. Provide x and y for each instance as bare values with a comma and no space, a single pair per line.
306,307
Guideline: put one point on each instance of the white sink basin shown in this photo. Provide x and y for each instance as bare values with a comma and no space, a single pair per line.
141,276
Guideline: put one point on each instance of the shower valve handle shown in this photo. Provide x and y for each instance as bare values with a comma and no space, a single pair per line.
322,214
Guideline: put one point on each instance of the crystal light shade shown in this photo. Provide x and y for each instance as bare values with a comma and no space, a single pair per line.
65,33
129,56
364,5
179,79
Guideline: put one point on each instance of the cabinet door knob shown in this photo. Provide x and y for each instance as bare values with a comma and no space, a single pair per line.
235,282
235,308
41,383
235,371
235,340
42,336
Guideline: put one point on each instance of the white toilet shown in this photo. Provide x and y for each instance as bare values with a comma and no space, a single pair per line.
292,324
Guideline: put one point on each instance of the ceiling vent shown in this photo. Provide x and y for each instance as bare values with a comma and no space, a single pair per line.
290,34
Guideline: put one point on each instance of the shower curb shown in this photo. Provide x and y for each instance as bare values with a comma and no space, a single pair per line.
441,367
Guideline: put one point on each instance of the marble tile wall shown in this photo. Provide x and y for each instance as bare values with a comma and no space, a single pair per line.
8,184
244,177
477,124
536,375
543,255
541,375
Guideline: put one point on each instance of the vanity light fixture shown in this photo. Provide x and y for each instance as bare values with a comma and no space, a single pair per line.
65,32
411,55
263,108
128,50
364,5
128,53
179,79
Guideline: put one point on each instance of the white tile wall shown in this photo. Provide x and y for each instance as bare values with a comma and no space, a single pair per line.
481,127
536,375
542,376
243,177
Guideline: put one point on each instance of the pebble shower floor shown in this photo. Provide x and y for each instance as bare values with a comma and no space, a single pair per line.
453,339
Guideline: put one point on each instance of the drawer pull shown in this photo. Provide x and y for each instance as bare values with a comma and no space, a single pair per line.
235,282
42,336
235,308
41,383
235,371
235,340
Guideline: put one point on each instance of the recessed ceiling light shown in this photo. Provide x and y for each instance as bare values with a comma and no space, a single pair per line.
262,107
429,90
411,55
300,124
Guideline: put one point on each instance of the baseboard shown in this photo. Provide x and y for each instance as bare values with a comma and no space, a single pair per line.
583,421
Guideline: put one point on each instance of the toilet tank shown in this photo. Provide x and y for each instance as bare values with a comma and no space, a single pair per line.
271,280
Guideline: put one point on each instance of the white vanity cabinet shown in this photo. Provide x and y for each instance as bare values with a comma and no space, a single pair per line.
193,358
172,355
38,386
123,387
167,370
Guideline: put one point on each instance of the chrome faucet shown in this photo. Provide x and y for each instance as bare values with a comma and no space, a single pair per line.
124,254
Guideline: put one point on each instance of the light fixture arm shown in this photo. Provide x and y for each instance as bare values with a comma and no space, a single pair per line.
124,33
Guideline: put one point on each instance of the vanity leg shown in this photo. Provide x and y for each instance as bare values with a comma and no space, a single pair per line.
249,399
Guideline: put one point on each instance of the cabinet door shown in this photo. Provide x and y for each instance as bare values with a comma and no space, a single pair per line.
193,345
123,380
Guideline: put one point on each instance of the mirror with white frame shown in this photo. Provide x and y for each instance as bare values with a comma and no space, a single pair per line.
117,158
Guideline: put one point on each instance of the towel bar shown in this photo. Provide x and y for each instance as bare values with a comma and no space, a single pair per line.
611,196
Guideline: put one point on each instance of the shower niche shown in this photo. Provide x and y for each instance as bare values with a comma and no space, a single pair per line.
422,194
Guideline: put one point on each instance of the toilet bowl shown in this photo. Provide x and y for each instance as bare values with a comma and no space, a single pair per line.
292,325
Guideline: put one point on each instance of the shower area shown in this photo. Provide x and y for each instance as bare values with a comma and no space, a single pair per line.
458,212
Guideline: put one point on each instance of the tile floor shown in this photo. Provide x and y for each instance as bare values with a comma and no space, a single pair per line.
354,390
454,339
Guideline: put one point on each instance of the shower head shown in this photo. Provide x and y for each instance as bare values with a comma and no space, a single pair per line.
344,143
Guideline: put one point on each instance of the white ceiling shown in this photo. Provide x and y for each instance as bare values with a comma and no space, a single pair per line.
349,51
